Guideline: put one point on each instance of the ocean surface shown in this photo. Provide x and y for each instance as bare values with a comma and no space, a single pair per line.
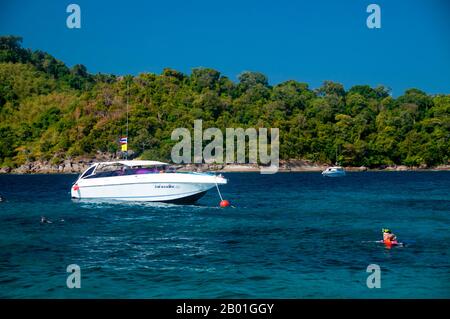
289,235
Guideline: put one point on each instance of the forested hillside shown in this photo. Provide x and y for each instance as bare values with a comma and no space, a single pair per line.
51,112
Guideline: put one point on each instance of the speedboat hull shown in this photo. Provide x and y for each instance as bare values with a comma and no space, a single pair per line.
167,187
334,172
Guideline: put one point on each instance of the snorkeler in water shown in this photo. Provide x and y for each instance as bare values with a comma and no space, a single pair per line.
388,236
44,220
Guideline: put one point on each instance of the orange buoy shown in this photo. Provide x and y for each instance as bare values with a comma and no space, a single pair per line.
76,187
224,203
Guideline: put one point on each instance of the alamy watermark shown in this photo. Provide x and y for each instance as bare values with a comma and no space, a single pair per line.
374,19
74,279
73,21
235,153
374,279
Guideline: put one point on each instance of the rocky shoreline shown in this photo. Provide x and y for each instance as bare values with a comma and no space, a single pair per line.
78,166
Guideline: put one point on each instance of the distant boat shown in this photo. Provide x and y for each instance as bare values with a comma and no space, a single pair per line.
137,180
334,171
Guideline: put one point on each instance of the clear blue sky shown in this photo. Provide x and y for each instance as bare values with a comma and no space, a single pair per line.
309,41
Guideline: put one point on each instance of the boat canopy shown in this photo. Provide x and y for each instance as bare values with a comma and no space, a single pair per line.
334,169
107,169
134,163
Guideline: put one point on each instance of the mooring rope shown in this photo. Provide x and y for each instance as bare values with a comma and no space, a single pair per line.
218,190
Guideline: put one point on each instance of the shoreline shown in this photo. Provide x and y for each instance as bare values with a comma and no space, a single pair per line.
285,166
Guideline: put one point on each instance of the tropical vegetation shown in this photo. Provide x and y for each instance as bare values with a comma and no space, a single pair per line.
52,112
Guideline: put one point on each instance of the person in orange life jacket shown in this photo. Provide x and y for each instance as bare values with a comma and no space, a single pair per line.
388,236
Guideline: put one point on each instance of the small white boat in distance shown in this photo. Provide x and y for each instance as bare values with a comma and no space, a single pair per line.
142,181
334,171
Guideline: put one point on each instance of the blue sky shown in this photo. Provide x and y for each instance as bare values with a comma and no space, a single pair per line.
308,41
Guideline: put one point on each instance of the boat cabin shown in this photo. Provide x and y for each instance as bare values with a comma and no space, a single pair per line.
121,168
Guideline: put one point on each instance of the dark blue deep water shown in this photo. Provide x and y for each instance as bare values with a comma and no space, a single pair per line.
290,235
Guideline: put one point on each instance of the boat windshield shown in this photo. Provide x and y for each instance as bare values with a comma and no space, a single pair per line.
118,169
88,172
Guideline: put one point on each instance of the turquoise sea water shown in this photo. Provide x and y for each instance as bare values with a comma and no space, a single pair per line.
290,235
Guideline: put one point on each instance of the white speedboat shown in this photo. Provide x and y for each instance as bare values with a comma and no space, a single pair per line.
334,171
142,181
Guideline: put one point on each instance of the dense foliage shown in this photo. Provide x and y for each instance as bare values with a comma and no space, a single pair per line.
51,112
